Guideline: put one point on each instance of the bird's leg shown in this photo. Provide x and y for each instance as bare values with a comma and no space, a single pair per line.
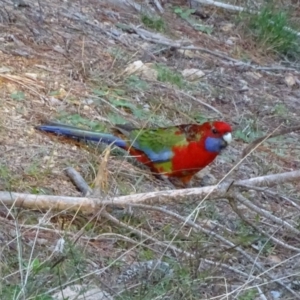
181,182
166,179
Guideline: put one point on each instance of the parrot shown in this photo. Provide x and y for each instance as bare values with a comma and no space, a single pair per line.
171,152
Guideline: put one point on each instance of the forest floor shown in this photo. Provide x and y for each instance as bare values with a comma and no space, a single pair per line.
74,61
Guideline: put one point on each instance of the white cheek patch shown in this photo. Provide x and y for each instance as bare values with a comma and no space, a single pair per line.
227,137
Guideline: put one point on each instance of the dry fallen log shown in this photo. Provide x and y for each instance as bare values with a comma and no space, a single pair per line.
90,204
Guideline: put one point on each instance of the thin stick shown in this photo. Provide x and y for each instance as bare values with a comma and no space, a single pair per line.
79,182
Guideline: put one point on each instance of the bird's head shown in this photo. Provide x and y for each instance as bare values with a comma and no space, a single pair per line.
218,136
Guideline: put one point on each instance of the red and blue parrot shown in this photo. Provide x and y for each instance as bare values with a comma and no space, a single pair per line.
178,151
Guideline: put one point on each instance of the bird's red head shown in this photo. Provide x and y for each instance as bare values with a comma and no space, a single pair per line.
220,127
216,128
218,135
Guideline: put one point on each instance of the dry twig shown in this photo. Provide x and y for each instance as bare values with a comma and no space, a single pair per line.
79,182
268,136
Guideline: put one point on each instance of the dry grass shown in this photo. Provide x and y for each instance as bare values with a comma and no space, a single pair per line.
64,60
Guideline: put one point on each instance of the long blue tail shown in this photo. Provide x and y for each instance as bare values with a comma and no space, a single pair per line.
77,133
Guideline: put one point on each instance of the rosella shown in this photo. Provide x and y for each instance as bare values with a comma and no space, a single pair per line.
178,151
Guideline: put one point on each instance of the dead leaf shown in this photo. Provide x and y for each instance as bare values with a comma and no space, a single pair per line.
290,80
254,75
187,53
31,76
139,68
11,87
61,94
4,70
227,27
275,259
82,292
192,74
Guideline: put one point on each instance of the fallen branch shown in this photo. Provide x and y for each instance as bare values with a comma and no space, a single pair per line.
184,45
90,204
221,5
269,180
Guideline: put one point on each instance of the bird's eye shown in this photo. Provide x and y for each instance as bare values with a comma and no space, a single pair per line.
214,131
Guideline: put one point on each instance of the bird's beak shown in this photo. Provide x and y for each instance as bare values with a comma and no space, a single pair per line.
227,137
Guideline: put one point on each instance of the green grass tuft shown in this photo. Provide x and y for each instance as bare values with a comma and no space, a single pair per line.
153,22
164,74
273,31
